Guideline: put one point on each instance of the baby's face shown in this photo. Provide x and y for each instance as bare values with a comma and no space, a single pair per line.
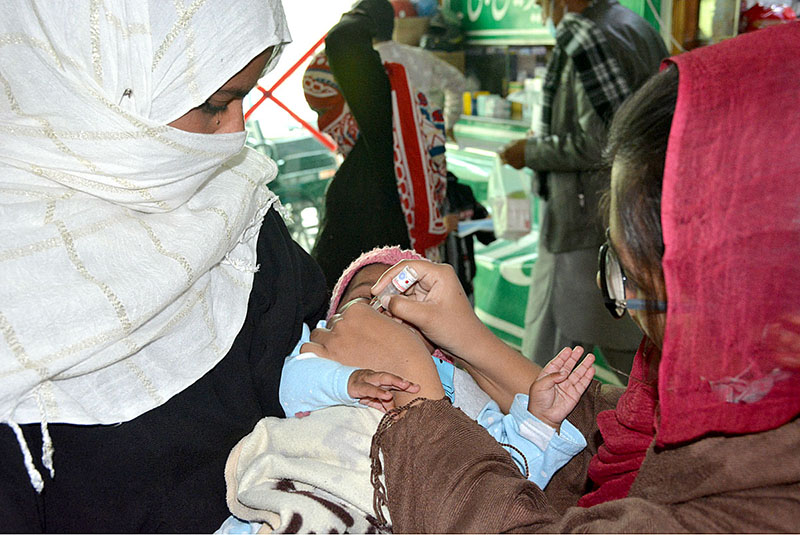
360,284
359,290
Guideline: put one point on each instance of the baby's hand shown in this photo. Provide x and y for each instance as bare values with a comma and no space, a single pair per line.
556,391
374,389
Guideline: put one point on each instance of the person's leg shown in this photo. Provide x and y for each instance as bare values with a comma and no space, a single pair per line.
539,337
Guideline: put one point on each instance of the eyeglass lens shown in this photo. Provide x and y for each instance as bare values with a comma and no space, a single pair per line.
614,276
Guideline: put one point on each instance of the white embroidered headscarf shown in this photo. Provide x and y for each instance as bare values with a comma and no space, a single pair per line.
128,246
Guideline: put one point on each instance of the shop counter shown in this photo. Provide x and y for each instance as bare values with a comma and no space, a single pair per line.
478,140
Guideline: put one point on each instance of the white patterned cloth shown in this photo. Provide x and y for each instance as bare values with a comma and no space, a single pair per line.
305,475
128,246
441,82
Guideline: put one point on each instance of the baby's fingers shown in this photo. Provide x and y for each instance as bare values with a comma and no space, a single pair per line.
390,381
582,376
364,391
587,371
547,381
566,359
382,406
557,362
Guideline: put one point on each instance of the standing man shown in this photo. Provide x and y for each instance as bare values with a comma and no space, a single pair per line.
603,53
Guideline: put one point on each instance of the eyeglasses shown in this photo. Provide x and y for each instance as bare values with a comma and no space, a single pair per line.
613,281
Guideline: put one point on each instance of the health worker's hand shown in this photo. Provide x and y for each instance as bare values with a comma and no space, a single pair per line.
375,389
436,305
556,391
364,338
513,153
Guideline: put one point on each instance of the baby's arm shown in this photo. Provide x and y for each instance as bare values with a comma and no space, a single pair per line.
558,388
309,383
500,371
535,431
537,449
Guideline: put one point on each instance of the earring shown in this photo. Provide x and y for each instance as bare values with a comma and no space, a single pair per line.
217,122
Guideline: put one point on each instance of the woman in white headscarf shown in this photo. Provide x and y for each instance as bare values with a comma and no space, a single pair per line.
149,288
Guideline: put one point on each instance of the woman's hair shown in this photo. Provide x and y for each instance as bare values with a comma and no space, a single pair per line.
637,146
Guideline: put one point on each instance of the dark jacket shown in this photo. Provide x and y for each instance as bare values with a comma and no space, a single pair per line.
362,206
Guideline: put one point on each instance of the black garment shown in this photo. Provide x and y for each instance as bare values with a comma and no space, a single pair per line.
362,206
164,470
460,252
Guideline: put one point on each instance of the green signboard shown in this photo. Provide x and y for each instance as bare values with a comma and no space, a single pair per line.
519,22
500,22
644,8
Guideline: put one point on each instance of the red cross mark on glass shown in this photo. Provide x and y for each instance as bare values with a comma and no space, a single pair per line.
269,94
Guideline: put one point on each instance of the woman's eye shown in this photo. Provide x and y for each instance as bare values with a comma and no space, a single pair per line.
207,107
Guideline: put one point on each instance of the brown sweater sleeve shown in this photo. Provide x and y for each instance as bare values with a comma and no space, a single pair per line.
446,474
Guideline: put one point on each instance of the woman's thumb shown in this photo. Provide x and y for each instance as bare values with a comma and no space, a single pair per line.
403,307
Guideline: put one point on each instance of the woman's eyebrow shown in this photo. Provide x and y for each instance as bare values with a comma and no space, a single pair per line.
234,93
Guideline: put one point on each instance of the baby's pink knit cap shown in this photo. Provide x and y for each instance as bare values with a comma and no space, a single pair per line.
382,255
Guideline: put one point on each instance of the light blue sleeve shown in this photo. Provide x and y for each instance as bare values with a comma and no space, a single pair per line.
446,372
309,382
234,526
536,442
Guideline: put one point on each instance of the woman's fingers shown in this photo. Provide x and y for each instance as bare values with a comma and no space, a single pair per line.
436,305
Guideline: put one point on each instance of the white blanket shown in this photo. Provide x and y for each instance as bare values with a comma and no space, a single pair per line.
307,474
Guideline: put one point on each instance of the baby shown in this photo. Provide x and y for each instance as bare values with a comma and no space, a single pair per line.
313,474
309,383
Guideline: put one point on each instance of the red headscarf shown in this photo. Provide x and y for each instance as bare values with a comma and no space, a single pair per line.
730,213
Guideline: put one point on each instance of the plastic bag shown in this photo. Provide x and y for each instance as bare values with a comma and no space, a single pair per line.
509,195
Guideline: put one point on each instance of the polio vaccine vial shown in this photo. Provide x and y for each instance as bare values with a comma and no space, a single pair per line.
399,285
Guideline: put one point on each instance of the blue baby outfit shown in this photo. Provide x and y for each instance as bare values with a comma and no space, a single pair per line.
309,383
